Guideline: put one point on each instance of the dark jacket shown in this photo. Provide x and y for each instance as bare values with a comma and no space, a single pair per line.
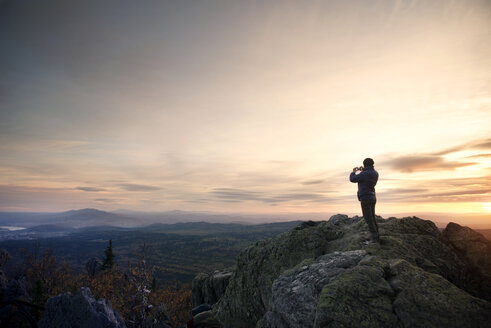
367,179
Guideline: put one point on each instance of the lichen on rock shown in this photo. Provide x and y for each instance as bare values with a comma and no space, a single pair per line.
327,274
295,295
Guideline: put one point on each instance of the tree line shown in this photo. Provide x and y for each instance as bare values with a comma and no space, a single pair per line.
131,289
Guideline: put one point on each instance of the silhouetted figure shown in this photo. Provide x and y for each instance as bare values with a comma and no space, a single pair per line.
367,179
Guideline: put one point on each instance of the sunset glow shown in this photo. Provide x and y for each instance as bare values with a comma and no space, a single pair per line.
245,106
486,206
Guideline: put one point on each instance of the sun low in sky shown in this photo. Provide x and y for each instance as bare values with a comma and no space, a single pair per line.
245,106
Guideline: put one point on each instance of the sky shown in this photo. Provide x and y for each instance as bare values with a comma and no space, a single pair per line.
245,106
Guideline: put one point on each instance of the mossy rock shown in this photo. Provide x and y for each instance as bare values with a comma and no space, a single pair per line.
249,290
380,293
429,300
417,243
360,297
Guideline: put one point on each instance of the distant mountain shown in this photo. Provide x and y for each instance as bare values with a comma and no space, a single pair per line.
70,219
92,217
89,217
177,216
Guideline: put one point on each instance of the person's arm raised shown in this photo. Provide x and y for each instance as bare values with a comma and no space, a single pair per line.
353,177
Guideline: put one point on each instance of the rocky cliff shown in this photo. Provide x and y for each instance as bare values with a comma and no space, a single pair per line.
80,310
326,274
208,288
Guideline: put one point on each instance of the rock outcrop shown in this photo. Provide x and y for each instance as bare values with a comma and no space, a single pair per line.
295,294
209,288
159,318
476,250
327,274
80,310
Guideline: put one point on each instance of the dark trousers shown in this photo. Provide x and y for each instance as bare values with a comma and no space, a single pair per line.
368,209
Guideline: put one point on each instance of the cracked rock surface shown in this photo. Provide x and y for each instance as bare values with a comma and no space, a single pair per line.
325,274
209,287
348,289
295,294
80,310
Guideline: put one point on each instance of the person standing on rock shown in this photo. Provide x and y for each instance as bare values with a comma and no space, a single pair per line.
367,179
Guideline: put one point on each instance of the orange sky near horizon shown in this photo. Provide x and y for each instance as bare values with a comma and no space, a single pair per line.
245,107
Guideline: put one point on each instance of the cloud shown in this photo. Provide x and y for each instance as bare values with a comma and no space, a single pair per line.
464,192
398,194
441,191
483,144
404,191
39,198
479,156
34,145
311,182
451,197
138,187
239,195
309,197
423,162
104,200
89,189
435,161
233,194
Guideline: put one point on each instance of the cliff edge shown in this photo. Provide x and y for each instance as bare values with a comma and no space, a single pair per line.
327,274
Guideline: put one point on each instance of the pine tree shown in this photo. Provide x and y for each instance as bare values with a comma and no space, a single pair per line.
108,261
154,284
38,298
38,292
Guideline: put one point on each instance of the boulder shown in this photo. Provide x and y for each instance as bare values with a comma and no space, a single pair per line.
474,249
80,310
159,318
198,309
342,219
208,288
206,319
471,244
378,293
296,292
248,294
358,297
429,300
